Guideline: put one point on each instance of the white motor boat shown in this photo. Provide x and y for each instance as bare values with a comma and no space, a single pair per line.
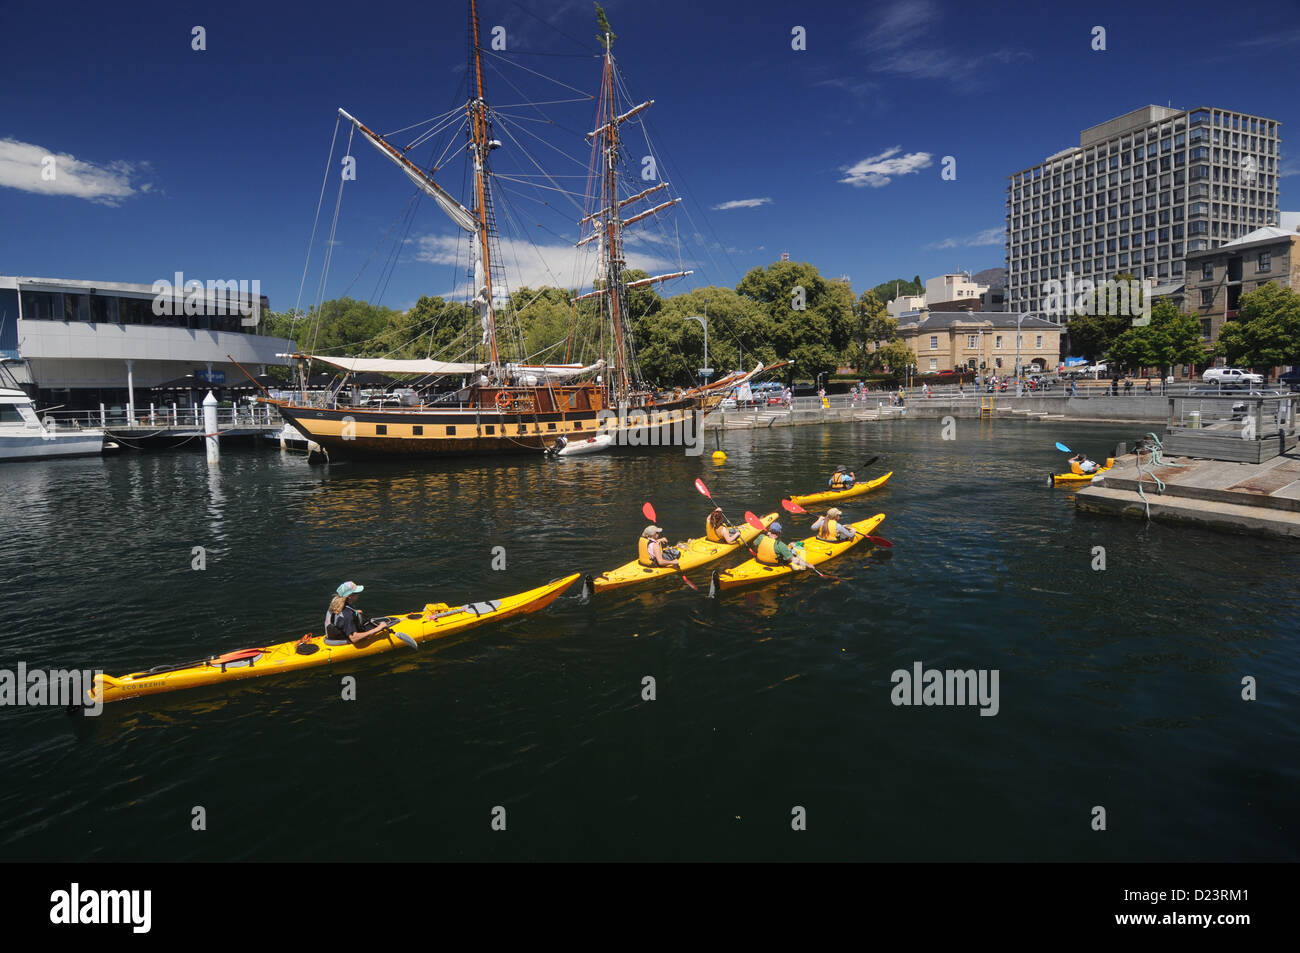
24,436
594,444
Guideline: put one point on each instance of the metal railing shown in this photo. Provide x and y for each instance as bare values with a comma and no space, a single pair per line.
1251,416
157,417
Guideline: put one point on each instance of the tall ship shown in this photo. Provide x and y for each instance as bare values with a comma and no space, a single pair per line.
503,406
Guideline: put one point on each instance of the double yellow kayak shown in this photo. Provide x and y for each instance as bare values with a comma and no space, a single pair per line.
814,552
695,552
830,495
433,622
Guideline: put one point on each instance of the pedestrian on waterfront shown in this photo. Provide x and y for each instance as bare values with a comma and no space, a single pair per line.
343,619
1148,387
1074,388
1128,387
1114,385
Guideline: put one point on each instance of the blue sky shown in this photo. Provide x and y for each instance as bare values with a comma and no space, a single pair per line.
210,162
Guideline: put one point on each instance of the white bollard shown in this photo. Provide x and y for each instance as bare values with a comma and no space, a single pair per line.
151,420
103,418
210,428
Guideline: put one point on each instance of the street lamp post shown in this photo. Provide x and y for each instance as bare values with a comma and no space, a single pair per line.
706,372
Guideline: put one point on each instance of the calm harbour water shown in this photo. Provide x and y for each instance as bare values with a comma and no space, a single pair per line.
1118,688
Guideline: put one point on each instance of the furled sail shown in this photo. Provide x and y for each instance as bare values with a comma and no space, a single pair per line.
383,365
557,372
482,301
462,216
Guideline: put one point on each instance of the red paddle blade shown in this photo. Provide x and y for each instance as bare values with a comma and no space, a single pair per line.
791,507
880,541
649,512
699,485
754,521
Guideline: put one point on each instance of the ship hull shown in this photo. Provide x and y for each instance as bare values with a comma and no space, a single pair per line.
360,433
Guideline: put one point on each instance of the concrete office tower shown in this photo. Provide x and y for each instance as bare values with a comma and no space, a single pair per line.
1137,195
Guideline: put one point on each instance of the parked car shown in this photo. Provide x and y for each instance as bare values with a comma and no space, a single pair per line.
1230,375
1290,379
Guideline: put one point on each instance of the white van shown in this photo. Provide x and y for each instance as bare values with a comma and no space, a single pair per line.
1230,375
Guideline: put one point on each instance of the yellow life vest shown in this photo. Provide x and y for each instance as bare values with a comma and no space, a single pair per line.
711,534
830,530
643,552
767,551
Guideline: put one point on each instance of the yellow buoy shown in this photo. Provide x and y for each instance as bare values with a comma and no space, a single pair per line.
719,457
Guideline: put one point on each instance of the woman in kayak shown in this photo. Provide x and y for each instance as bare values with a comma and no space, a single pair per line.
830,528
343,620
652,551
773,552
716,529
842,478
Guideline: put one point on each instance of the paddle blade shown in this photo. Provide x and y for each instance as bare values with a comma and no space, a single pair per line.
791,507
754,521
881,542
649,512
704,490
689,583
1063,448
869,462
407,639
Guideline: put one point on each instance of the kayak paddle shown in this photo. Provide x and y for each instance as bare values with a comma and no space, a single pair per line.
757,523
1063,448
648,512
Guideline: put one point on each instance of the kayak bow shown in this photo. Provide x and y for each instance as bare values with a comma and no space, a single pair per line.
695,552
814,552
829,495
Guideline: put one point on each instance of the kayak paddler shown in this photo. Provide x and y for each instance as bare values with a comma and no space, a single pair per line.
842,478
716,529
1084,465
343,620
651,550
772,552
830,528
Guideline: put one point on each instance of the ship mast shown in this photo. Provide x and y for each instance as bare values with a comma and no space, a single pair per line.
480,144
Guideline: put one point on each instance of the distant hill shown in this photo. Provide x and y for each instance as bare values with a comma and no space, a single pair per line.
993,277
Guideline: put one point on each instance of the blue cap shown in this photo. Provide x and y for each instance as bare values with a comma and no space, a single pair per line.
348,588
775,527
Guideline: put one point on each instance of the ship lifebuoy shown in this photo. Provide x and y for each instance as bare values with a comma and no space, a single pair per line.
504,399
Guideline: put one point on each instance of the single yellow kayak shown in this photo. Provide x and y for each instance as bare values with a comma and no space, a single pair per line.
814,552
1058,479
435,621
695,552
830,495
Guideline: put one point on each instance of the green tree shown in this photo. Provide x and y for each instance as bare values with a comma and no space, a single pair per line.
894,356
1266,333
873,328
887,291
810,319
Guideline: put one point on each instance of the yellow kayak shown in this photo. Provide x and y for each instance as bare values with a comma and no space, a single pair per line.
830,495
1074,476
433,622
814,552
695,552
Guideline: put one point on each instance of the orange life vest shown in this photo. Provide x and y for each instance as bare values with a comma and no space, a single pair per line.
643,552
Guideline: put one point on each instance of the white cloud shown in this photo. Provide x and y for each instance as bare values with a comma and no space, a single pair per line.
1288,168
741,203
22,165
900,40
879,170
531,266
990,236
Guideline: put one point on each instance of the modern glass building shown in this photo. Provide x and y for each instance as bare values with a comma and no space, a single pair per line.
1137,195
84,343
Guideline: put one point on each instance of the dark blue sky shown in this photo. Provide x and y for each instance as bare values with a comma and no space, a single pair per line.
210,162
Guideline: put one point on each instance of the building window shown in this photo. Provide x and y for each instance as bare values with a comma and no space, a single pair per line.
1038,342
1207,271
934,364
1265,261
997,343
1207,297
1205,328
934,342
970,340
